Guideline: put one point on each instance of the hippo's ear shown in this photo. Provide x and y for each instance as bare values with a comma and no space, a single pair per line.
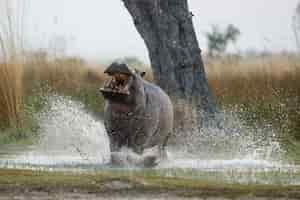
143,74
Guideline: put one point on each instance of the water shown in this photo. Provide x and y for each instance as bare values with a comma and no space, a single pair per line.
69,136
72,139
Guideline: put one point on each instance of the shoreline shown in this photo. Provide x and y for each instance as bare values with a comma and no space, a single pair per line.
28,183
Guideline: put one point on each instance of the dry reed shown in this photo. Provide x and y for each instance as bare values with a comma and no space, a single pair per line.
11,94
245,81
11,48
66,75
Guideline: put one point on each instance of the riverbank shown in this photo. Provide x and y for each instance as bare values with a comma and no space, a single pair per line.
121,196
29,184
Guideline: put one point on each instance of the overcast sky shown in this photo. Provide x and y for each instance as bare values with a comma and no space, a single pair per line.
102,29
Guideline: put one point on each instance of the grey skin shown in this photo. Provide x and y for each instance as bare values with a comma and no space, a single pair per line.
139,118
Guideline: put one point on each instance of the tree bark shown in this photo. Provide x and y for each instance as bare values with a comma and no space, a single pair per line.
167,29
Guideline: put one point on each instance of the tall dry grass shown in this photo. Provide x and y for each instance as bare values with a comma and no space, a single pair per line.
11,67
66,75
249,80
11,94
240,81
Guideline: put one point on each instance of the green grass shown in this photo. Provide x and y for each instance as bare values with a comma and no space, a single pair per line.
18,136
292,147
282,117
141,182
91,98
28,133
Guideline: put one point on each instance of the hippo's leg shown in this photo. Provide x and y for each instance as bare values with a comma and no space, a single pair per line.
151,156
149,161
163,146
118,159
154,156
127,158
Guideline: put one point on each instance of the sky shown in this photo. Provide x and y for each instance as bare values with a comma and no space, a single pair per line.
103,30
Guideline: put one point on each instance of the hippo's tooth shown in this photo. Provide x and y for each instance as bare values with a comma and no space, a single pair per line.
126,89
107,83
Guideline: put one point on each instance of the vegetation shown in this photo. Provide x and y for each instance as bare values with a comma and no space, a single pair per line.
10,94
264,91
65,76
218,41
11,69
11,74
134,182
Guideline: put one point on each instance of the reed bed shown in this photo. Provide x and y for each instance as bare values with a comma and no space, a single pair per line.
258,79
11,94
11,62
65,75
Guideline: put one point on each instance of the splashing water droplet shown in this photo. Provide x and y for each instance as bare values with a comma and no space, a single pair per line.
68,136
72,138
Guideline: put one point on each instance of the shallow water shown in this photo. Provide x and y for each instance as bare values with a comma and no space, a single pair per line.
72,139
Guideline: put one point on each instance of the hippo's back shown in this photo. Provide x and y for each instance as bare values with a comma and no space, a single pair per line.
156,95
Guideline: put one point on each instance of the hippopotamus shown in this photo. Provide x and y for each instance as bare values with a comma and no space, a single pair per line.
138,116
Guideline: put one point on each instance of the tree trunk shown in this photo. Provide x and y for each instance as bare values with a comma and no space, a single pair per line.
168,32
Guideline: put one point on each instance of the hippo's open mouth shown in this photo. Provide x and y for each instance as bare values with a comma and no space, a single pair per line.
117,86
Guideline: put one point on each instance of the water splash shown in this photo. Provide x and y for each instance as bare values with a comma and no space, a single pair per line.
68,136
234,146
234,140
73,138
